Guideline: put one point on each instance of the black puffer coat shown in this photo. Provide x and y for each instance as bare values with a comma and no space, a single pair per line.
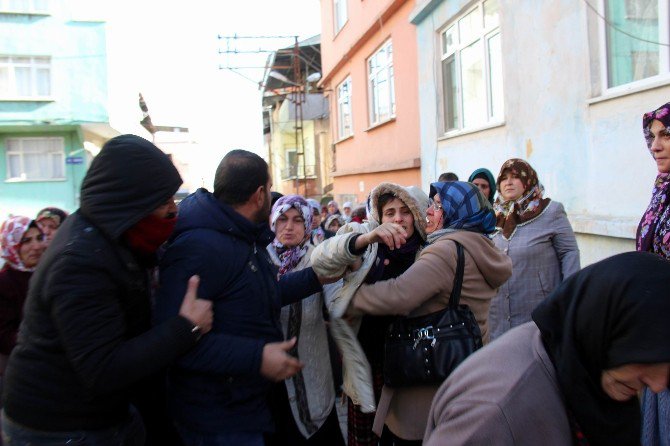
85,345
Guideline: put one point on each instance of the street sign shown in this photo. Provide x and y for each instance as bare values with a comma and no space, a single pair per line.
74,160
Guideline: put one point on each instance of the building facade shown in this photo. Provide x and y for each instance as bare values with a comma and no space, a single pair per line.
53,96
296,121
369,60
556,83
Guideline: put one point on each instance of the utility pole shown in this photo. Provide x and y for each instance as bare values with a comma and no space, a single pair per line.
295,91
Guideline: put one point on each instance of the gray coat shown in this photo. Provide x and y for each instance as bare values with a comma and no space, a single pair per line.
504,394
544,252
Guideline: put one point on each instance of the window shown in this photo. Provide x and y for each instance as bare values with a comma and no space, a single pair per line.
25,77
472,89
380,84
24,6
344,123
35,159
340,13
633,55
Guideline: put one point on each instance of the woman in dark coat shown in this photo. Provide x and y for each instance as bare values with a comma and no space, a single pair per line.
571,376
22,245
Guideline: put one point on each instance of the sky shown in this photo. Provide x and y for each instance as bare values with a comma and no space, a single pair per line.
169,51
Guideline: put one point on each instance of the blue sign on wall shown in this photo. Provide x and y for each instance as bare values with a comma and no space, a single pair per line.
74,160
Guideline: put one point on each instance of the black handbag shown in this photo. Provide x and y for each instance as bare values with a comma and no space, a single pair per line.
426,349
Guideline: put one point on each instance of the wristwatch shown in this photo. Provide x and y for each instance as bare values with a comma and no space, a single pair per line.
197,331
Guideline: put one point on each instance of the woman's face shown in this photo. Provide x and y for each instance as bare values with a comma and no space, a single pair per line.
624,382
660,146
32,247
334,225
290,228
434,215
395,211
483,186
511,187
48,227
316,219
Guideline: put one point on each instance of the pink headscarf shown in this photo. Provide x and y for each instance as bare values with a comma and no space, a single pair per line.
11,234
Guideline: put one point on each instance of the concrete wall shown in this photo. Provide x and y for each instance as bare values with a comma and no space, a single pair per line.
359,186
587,147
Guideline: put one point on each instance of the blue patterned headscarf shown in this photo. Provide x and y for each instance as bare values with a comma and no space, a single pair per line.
463,208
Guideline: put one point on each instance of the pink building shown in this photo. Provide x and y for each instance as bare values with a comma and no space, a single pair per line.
369,63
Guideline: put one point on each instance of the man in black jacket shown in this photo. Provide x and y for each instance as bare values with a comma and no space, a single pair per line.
219,390
86,353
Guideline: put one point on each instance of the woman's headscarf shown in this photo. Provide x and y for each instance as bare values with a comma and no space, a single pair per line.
464,207
332,218
592,323
290,257
510,213
55,214
11,234
318,235
653,232
485,174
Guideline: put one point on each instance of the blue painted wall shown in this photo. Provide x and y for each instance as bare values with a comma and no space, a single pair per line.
79,92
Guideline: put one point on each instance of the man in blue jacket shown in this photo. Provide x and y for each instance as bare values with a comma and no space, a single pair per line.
218,392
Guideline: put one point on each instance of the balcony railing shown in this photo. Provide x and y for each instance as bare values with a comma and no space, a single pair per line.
298,171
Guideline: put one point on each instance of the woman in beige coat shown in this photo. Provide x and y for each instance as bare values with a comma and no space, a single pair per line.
463,215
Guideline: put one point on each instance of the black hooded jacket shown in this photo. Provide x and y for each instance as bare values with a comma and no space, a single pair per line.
85,344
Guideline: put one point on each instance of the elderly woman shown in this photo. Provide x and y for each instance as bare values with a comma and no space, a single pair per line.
572,375
653,235
391,206
483,179
535,232
425,287
304,404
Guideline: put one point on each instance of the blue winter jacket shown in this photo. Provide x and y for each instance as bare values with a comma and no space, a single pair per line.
217,386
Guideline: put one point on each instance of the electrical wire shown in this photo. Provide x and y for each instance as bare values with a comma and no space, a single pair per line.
613,26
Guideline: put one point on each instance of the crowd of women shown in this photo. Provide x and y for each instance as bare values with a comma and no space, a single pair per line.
581,343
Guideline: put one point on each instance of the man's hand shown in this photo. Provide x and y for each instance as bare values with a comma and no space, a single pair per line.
277,365
391,234
198,311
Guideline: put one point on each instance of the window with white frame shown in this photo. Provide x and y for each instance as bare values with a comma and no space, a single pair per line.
471,65
30,159
24,6
635,40
25,77
344,119
380,84
340,14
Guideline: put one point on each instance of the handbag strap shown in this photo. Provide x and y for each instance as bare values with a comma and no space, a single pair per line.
455,297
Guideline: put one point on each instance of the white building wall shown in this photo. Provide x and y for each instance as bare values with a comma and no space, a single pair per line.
588,150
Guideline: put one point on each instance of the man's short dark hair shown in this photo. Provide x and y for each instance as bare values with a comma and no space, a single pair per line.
238,176
448,176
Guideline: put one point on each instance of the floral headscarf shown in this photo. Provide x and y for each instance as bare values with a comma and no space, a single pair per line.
11,234
653,232
464,207
510,213
290,257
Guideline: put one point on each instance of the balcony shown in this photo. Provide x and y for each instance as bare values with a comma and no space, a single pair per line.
296,171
